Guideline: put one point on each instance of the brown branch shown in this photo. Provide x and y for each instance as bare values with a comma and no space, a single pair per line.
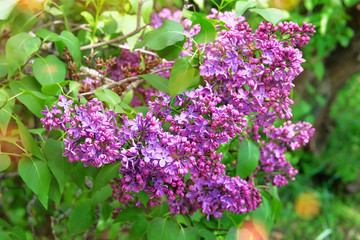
118,39
125,80
95,74
135,50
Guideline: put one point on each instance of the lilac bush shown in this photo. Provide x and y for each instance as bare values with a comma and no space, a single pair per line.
173,152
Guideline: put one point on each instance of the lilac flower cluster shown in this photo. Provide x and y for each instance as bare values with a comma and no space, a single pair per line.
272,158
159,167
92,133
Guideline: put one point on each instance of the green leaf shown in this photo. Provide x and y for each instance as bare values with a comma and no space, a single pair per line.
272,15
144,198
46,35
207,32
54,89
232,234
183,219
263,212
88,17
242,6
189,233
111,21
79,173
58,164
138,230
72,44
32,102
17,233
157,81
129,214
5,162
108,96
49,70
146,10
36,176
54,191
5,236
181,76
28,141
248,158
172,52
128,25
105,175
18,49
6,8
162,229
81,217
3,66
102,195
6,108
168,34
74,87
24,22
128,97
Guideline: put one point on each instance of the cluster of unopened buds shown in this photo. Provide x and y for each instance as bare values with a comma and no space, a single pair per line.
172,151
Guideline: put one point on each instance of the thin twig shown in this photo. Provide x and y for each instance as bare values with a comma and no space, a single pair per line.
118,39
52,224
125,80
135,50
30,218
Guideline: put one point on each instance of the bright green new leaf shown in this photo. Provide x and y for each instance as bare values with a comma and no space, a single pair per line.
248,158
49,70
58,164
81,217
162,229
128,24
181,76
6,8
36,176
5,162
108,96
28,141
242,6
272,15
88,17
157,81
111,22
18,49
168,34
189,233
